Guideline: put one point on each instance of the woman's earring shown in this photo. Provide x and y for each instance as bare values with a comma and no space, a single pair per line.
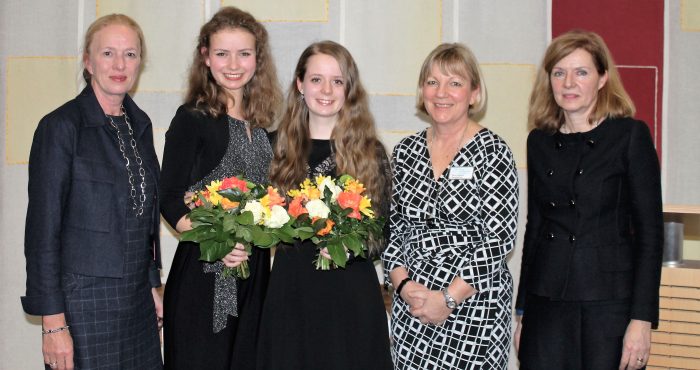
301,96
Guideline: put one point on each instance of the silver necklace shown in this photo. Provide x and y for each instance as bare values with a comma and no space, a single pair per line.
138,208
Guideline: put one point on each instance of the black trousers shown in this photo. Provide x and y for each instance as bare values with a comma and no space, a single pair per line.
572,335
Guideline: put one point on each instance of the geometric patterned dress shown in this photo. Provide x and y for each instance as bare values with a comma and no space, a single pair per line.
462,225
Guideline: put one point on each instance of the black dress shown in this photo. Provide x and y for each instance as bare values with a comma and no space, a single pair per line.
322,319
209,324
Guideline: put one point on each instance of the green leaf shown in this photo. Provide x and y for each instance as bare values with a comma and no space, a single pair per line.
337,252
213,251
244,233
351,243
245,218
261,238
305,232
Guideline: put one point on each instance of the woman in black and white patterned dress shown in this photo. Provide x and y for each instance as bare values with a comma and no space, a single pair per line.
453,221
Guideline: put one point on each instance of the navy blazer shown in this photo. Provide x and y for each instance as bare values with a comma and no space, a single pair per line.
594,224
76,217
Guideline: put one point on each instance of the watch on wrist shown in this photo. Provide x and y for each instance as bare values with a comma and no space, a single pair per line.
449,301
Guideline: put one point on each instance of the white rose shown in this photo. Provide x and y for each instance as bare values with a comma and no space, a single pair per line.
256,209
328,182
278,217
317,208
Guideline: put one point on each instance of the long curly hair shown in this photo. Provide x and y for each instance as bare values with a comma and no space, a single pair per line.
354,137
612,101
261,95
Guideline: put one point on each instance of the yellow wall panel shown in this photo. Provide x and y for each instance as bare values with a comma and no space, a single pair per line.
284,11
171,29
508,87
690,15
389,40
35,87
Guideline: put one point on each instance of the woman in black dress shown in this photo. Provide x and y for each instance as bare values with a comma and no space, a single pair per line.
589,283
92,227
332,319
212,322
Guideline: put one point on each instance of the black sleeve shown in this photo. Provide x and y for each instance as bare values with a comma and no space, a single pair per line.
644,182
182,145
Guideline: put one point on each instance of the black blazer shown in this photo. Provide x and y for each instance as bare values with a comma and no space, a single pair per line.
595,223
76,217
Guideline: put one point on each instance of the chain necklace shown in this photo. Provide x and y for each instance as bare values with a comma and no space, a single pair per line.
138,208
459,143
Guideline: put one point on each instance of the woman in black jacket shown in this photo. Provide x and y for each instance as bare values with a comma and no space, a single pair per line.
91,237
589,284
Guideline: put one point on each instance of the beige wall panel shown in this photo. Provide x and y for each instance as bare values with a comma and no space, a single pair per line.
508,87
35,87
284,11
690,15
389,40
170,29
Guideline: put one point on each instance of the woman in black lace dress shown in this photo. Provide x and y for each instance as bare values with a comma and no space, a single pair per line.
332,319
212,323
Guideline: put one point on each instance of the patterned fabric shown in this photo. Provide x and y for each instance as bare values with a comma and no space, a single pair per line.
250,158
452,228
113,321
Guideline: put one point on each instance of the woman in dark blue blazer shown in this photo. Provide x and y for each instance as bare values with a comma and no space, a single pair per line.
589,283
91,236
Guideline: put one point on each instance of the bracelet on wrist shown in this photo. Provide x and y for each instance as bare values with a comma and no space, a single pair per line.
401,285
56,330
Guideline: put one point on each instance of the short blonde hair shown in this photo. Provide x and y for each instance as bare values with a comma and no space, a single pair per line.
458,60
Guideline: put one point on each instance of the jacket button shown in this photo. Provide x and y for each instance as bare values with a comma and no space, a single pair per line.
590,142
572,238
552,204
550,172
579,171
550,236
572,203
559,145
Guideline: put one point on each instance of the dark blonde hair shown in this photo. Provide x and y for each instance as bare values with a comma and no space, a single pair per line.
261,95
108,20
612,100
354,137
454,59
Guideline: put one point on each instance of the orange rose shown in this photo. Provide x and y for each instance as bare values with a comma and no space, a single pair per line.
352,201
296,208
227,204
274,198
234,182
327,229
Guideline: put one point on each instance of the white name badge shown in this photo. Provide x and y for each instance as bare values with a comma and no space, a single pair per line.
461,173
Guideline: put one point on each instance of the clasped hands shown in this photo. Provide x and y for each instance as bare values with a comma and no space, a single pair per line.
426,305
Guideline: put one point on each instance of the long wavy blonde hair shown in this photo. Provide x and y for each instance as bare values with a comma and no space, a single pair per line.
261,95
612,101
354,137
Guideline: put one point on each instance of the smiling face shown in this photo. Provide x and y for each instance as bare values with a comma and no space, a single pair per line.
113,60
323,87
447,97
575,83
231,59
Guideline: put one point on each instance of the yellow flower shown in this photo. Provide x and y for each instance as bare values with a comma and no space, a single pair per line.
214,197
354,186
365,207
214,186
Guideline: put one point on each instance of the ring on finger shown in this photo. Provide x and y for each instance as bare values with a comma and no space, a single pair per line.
53,364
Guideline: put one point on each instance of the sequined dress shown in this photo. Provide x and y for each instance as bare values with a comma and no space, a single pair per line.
322,320
204,326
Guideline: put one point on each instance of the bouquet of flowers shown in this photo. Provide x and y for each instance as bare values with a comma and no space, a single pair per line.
232,211
335,215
